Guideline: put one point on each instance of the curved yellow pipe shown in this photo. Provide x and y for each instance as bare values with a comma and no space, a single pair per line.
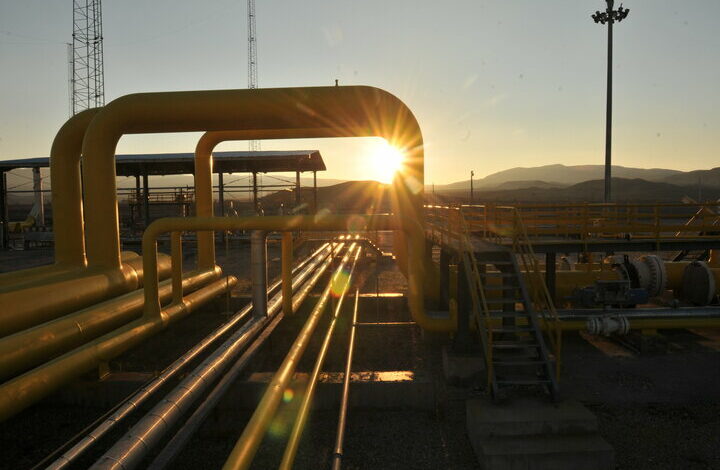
268,113
66,190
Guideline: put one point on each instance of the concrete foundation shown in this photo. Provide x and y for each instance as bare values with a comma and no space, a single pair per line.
533,434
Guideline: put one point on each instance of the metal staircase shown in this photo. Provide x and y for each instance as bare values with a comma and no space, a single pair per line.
509,319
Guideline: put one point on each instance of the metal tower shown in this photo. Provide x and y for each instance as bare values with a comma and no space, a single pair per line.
252,59
87,81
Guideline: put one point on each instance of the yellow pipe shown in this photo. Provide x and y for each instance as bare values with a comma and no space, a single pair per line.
249,441
66,189
268,113
68,292
285,113
31,347
20,392
286,274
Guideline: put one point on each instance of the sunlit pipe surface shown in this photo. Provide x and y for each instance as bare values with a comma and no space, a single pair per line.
304,268
258,272
269,113
340,289
244,451
130,450
353,223
28,348
69,292
22,391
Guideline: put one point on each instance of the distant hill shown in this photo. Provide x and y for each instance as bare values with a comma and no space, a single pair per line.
528,184
348,197
561,175
624,190
704,178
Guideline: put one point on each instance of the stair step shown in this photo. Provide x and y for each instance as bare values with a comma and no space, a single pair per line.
515,344
499,274
516,329
505,300
521,381
501,287
535,362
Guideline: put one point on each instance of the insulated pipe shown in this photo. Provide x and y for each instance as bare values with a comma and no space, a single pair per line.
28,348
130,450
20,392
35,304
133,403
242,454
355,223
342,418
258,272
269,113
296,433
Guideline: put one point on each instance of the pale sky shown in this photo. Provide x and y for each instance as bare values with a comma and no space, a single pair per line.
495,84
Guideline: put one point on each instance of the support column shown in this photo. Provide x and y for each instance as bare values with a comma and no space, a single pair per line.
258,272
221,201
146,199
550,273
444,297
255,193
297,190
39,200
461,341
4,241
315,205
138,198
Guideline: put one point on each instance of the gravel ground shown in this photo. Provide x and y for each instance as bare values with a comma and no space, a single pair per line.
659,410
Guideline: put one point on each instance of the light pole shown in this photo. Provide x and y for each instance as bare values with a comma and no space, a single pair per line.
609,16
472,195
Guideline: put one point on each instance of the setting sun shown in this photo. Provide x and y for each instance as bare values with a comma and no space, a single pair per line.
385,161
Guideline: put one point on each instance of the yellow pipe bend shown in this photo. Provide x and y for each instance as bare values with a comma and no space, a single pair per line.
265,113
66,190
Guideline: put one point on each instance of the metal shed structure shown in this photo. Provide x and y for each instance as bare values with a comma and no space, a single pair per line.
140,166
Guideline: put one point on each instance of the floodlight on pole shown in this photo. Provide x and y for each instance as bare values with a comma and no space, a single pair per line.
609,16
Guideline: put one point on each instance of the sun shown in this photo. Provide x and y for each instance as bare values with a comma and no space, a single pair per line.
386,160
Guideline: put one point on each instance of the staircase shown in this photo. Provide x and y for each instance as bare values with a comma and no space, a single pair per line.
507,321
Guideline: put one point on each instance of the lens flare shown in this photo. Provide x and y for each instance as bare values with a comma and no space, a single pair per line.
339,282
288,395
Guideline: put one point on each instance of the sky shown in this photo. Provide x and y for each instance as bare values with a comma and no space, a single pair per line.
494,84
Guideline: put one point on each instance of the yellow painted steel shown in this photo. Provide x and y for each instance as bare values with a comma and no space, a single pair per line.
177,267
286,272
283,112
29,348
68,292
22,391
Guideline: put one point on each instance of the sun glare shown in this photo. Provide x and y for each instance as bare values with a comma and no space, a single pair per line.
386,161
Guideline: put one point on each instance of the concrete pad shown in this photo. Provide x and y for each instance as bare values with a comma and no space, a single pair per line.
535,434
369,389
527,416
584,452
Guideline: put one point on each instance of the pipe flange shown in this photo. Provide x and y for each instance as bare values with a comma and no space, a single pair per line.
657,275
698,283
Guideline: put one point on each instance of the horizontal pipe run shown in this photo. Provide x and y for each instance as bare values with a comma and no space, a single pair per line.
129,451
181,438
244,451
304,268
296,433
342,416
20,392
70,292
28,348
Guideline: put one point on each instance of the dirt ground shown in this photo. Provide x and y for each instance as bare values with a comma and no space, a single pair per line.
659,409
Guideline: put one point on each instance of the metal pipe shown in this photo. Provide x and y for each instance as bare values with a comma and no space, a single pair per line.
20,392
133,403
258,272
342,418
342,284
129,451
277,113
246,446
181,438
34,304
287,259
31,347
